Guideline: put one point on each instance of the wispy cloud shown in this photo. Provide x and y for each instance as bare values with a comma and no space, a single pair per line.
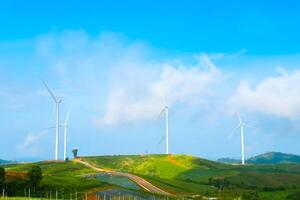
278,95
121,74
142,97
30,145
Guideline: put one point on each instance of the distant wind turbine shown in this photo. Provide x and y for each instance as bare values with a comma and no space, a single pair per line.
241,126
166,111
57,102
65,137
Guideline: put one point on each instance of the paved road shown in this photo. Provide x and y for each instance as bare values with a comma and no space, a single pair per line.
138,180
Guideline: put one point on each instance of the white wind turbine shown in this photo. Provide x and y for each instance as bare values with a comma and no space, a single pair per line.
241,126
166,111
65,136
57,102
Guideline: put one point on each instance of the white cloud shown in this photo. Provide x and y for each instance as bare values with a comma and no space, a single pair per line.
30,145
141,94
279,96
120,78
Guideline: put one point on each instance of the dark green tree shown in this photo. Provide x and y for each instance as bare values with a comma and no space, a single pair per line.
35,176
251,195
294,196
2,176
219,182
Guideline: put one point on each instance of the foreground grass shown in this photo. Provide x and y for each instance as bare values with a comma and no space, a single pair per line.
19,198
64,177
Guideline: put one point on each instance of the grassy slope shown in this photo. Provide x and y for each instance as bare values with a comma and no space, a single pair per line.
187,174
161,170
177,173
60,175
155,165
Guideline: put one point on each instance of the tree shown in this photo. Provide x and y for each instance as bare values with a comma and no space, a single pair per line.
294,195
35,176
2,176
251,195
219,182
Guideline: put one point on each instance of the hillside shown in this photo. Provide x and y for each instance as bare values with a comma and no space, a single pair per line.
274,158
229,160
163,166
62,176
177,174
188,174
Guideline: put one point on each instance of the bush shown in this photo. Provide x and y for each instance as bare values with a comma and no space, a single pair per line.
294,196
2,176
252,195
220,183
35,176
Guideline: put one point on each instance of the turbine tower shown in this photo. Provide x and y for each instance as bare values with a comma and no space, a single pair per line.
65,136
57,102
241,126
166,111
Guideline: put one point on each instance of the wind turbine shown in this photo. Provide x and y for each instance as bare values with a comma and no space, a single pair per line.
57,102
65,137
241,126
166,111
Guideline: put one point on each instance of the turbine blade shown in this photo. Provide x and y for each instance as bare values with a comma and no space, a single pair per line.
233,131
162,111
248,125
68,115
50,92
49,128
160,141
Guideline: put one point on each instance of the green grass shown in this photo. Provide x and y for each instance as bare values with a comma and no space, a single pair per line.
155,165
181,187
187,174
277,195
53,168
20,198
178,174
64,176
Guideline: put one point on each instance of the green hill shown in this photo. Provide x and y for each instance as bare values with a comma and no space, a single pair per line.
274,158
154,165
188,174
229,160
177,174
64,177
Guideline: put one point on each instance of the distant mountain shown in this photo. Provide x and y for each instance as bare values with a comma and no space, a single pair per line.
4,161
274,158
229,160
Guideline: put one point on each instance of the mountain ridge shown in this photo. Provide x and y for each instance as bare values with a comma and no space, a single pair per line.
274,158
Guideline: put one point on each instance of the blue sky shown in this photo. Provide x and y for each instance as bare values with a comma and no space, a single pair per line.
116,63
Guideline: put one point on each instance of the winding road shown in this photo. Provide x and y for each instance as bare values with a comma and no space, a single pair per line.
138,180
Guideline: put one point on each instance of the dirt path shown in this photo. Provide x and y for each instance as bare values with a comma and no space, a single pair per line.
138,180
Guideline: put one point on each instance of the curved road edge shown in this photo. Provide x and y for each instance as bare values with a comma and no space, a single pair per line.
138,180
